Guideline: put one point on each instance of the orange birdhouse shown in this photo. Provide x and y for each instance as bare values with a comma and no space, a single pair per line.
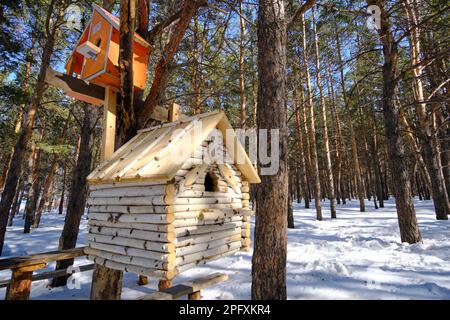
95,57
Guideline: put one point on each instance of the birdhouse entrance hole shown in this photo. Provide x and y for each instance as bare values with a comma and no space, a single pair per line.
97,42
211,182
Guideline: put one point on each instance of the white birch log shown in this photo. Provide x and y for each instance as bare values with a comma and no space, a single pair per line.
130,209
186,215
133,243
155,200
206,245
163,228
196,207
192,176
191,240
126,251
138,261
188,266
133,234
197,230
197,222
119,184
217,214
207,194
159,274
142,191
190,163
128,218
211,200
198,256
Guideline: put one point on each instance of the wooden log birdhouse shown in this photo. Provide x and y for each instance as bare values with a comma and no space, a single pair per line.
95,57
173,197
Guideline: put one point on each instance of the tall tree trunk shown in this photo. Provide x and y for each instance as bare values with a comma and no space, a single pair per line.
18,157
290,212
338,141
49,179
78,192
144,10
241,65
306,142
35,183
427,131
312,136
126,124
409,229
195,86
376,162
63,191
300,152
269,257
356,166
15,204
326,141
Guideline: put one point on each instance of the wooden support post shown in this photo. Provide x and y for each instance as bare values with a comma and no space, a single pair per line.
106,283
21,278
109,123
174,112
164,284
195,295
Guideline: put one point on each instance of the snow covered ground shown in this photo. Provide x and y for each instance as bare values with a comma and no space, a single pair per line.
357,256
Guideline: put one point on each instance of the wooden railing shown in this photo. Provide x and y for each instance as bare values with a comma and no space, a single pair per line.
192,289
19,286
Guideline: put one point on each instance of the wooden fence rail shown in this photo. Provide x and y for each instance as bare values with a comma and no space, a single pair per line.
22,268
191,289
19,286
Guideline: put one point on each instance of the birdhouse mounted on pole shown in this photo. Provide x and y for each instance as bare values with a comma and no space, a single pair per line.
95,57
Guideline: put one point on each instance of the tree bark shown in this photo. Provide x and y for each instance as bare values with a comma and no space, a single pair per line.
17,198
326,140
63,191
356,166
78,192
426,132
35,183
409,229
126,124
50,177
241,65
269,258
312,130
301,154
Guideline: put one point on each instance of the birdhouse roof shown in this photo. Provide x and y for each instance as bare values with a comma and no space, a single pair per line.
157,153
115,22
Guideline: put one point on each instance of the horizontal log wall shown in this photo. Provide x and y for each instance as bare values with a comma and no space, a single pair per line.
160,230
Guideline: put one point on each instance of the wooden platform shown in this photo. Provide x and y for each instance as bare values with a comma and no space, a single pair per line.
192,288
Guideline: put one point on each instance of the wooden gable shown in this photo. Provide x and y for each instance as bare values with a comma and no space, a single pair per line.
158,153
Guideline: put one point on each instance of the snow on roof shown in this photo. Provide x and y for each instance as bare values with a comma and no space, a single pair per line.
157,153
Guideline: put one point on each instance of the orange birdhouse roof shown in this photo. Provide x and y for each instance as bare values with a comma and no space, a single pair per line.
96,54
